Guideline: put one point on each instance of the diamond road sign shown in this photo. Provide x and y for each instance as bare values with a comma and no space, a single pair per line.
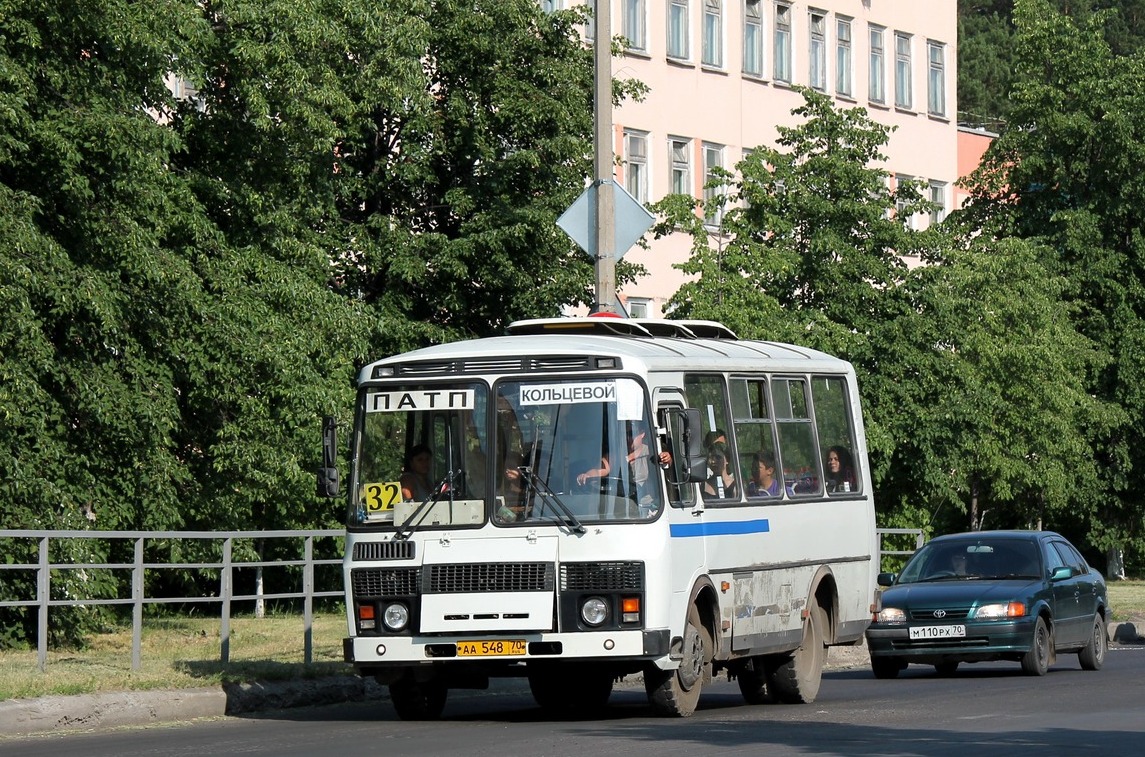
631,220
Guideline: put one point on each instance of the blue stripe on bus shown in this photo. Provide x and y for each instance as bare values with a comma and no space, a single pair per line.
682,530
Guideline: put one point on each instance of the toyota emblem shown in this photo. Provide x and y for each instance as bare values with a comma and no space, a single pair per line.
940,613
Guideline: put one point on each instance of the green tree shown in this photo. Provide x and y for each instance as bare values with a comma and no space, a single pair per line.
1067,174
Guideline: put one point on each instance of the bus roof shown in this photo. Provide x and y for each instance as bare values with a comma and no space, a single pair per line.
571,344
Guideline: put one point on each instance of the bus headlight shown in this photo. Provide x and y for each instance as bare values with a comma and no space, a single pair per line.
594,611
396,616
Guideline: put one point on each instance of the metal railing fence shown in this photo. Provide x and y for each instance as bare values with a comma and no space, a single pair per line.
226,566
897,535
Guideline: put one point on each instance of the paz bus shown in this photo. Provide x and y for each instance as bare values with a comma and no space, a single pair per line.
584,499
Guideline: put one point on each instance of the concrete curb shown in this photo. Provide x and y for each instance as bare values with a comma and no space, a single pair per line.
51,713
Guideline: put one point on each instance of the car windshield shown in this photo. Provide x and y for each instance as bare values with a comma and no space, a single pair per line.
579,448
974,559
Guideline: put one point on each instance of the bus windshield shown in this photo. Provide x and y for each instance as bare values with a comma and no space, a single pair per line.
553,451
574,447
417,444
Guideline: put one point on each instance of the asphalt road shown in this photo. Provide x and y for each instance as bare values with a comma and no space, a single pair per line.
985,709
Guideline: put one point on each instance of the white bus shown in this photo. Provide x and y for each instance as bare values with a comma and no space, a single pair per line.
585,499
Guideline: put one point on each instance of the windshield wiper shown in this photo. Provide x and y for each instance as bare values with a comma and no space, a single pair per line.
443,486
550,496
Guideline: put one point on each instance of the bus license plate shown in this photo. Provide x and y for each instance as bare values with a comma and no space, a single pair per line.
938,632
494,648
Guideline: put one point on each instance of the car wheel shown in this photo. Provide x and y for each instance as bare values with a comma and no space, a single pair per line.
886,667
676,692
1036,661
946,668
752,680
795,678
1092,656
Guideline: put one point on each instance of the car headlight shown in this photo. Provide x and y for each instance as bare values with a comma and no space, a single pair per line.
594,611
892,615
396,616
1001,610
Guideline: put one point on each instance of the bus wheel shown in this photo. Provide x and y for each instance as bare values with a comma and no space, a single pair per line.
676,692
565,690
752,680
418,700
794,677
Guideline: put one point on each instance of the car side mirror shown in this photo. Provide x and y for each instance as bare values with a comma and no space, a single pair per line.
886,579
1061,573
328,478
697,467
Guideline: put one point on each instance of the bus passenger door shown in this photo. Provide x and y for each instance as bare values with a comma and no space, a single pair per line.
682,436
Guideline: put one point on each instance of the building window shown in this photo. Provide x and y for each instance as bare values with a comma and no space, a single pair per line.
551,6
713,161
938,197
877,89
901,181
634,24
783,43
713,50
638,307
818,52
902,71
843,57
753,37
936,81
680,158
678,29
636,164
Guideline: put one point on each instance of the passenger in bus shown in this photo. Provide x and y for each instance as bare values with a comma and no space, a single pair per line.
840,472
640,454
721,484
712,438
415,480
763,481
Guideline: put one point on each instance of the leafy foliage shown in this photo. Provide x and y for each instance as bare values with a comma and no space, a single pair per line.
1066,174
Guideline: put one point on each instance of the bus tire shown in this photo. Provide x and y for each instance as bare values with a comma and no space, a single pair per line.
794,678
675,693
567,690
418,700
752,680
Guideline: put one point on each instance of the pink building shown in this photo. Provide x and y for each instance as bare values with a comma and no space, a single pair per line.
720,75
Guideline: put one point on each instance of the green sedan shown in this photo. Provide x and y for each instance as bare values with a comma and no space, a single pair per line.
1023,596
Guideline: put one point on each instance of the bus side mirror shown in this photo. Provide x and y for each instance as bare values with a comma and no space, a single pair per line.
697,459
328,479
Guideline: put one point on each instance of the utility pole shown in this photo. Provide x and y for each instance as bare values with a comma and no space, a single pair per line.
605,206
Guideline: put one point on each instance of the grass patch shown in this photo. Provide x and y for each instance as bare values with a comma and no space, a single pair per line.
181,653
1126,600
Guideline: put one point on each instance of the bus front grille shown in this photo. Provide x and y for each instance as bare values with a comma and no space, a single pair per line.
602,576
382,582
456,578
384,550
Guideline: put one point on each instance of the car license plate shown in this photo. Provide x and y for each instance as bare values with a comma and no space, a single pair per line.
938,632
494,648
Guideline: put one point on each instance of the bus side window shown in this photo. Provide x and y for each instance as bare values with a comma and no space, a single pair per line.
798,448
836,434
